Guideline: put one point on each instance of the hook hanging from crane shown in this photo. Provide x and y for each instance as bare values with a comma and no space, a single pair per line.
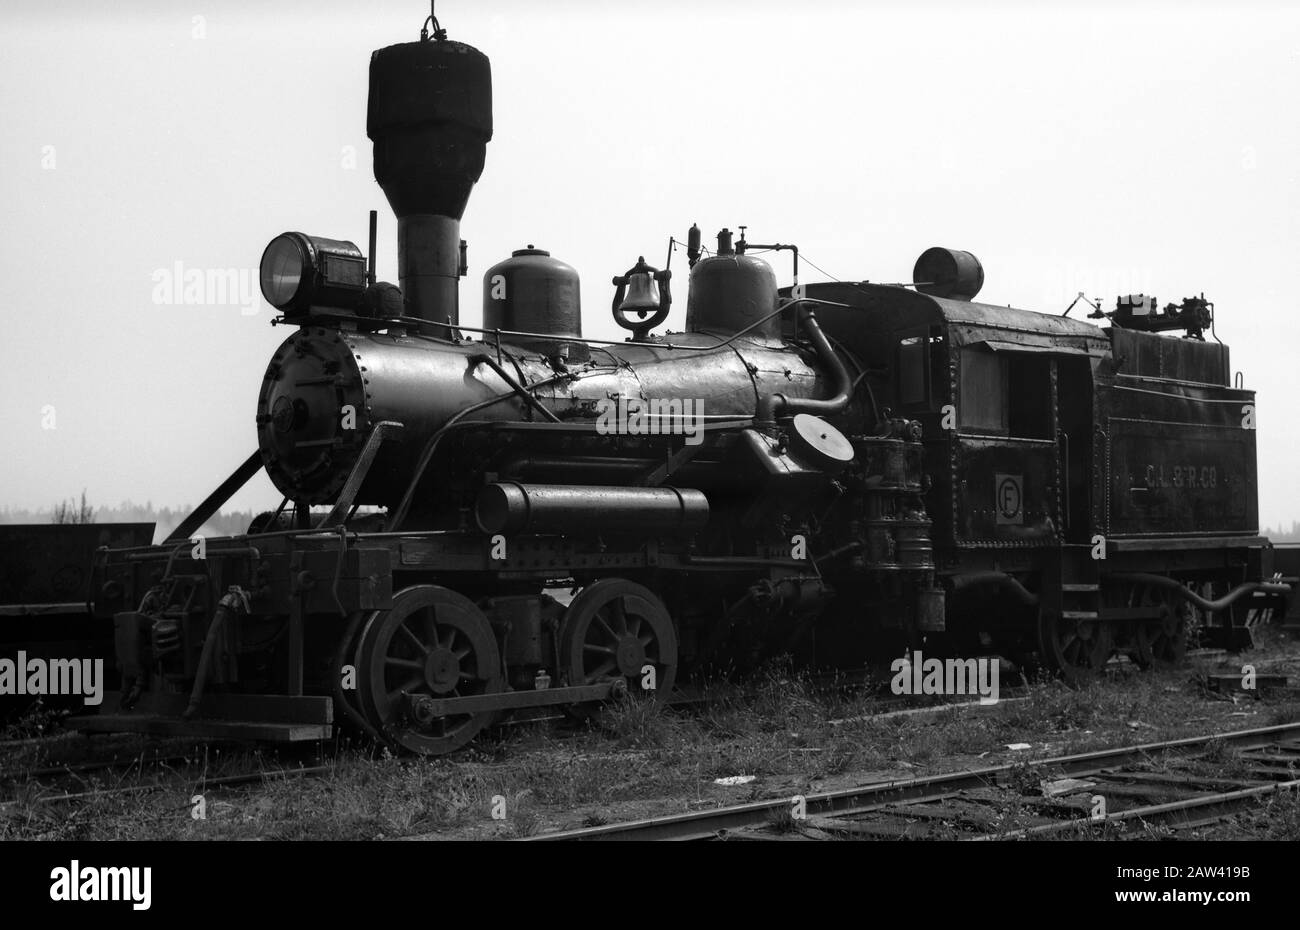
439,34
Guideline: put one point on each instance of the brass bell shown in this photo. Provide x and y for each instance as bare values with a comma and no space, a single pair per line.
642,294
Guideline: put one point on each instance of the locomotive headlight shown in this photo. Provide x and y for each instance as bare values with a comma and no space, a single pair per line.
299,272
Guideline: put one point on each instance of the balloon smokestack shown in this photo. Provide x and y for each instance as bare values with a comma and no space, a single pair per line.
430,118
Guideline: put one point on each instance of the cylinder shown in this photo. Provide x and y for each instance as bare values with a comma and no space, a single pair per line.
430,118
948,273
509,507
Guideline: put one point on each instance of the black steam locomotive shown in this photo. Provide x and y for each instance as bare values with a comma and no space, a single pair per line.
830,471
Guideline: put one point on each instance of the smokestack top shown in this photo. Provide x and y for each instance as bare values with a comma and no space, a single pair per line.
430,118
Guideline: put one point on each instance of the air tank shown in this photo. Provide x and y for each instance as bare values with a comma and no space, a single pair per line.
731,292
949,273
534,293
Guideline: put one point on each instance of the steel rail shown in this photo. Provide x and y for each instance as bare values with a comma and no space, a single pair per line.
1211,807
709,824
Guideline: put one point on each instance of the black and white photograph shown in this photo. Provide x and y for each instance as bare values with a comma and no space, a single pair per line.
767,427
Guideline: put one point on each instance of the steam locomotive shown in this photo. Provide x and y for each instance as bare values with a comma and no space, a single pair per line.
833,471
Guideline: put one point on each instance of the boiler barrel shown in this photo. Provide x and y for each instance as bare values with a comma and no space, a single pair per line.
509,507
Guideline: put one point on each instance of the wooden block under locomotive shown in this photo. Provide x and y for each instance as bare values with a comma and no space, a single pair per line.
837,472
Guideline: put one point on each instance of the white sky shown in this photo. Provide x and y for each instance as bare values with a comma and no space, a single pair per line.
1103,147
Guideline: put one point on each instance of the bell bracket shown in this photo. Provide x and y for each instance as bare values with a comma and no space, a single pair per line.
641,326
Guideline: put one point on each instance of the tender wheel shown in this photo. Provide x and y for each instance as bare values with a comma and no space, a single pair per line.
1077,649
432,642
1163,643
614,629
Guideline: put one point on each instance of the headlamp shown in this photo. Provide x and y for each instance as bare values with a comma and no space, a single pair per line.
300,271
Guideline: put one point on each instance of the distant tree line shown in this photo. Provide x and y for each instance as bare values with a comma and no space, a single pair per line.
70,511
73,510
233,522
1284,535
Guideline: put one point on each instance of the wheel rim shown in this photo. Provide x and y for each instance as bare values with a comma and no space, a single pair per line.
614,629
1077,649
432,642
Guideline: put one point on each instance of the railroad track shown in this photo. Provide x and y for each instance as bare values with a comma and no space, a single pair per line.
70,782
199,783
1173,782
99,778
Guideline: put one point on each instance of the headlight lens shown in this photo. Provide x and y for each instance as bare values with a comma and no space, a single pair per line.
300,272
283,264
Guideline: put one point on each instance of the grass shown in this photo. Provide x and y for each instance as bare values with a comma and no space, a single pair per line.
36,720
793,733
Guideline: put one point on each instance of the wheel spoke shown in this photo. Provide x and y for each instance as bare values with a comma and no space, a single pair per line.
415,640
588,647
429,625
394,662
600,621
619,613
394,694
602,669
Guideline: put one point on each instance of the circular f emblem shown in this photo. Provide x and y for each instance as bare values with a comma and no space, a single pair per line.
1009,499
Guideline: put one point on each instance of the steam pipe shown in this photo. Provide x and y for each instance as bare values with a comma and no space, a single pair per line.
1007,582
226,610
777,405
497,333
742,246
1177,587
528,398
374,240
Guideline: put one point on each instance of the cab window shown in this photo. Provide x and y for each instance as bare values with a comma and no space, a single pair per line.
983,404
1006,393
922,369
